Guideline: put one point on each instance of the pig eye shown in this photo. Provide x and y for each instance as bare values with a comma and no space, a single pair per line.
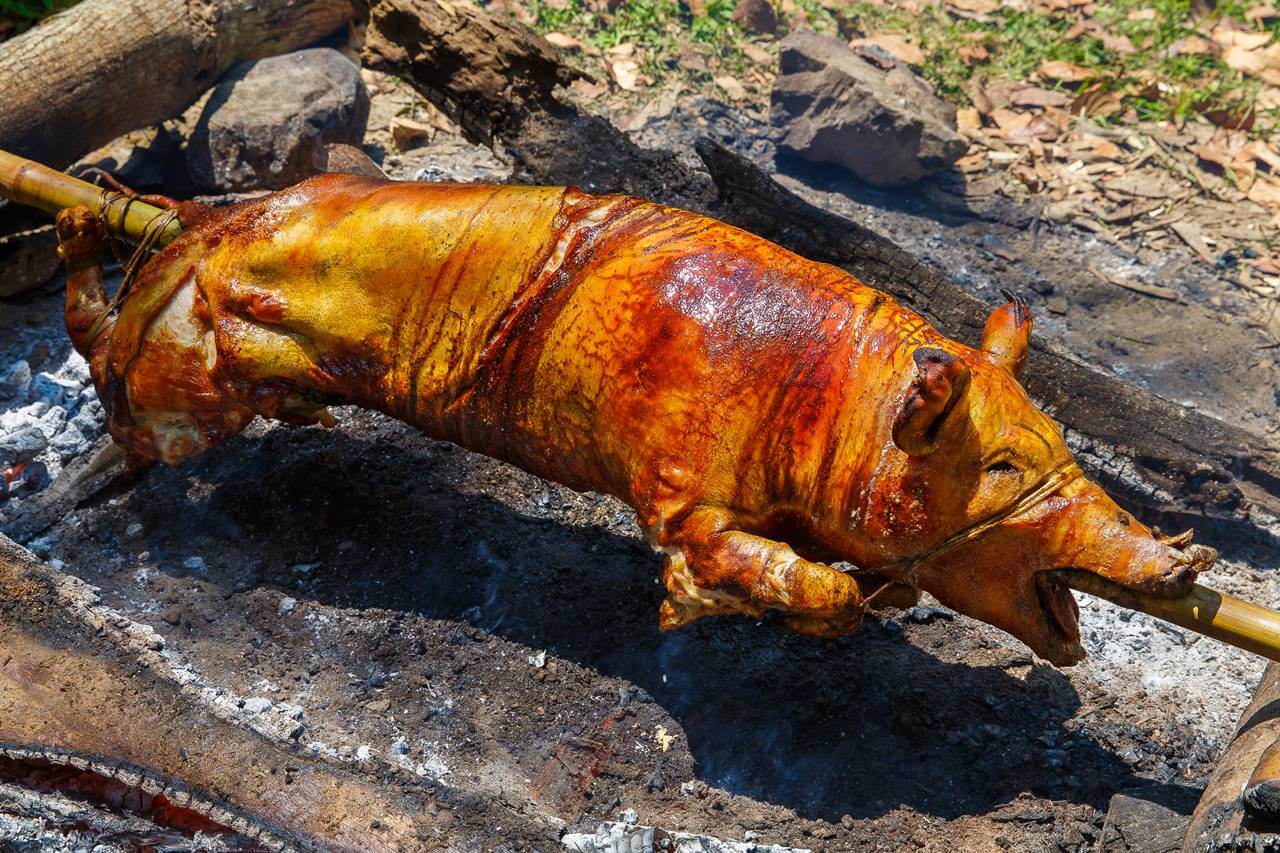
1002,467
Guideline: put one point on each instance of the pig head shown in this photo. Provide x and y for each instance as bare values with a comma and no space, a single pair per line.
1007,504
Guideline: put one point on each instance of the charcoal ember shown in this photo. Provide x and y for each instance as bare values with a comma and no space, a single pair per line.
887,127
15,380
22,445
267,123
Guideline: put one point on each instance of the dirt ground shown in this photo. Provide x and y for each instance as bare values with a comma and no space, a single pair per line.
449,616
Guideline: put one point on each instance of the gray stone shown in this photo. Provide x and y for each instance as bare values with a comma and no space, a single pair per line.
756,16
832,106
1148,820
267,122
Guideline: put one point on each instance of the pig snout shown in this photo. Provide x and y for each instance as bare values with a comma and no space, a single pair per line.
1098,536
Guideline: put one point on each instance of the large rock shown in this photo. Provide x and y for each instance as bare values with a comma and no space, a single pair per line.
267,122
886,127
1148,820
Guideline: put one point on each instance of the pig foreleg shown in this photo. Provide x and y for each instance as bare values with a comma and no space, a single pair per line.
81,246
713,568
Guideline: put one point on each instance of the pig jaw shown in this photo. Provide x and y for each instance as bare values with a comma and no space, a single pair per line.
1008,576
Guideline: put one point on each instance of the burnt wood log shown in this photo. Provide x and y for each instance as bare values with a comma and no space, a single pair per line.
89,74
1239,800
1150,452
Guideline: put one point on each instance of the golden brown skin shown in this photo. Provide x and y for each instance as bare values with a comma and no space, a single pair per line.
764,414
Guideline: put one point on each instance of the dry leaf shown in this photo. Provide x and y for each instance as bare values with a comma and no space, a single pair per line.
1269,98
1117,44
1245,59
1258,150
626,73
1214,151
896,46
1010,120
968,118
1233,118
622,50
731,87
972,54
1065,72
1035,96
407,133
1092,149
1193,45
973,7
757,54
1147,14
1096,102
1265,191
563,41
587,90
1190,234
1248,40
978,95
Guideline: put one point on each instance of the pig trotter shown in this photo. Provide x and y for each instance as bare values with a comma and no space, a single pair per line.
717,569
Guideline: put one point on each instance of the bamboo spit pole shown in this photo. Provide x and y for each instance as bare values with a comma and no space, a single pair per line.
1213,614
27,182
1223,617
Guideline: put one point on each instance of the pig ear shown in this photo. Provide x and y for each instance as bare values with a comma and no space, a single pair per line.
940,382
1008,333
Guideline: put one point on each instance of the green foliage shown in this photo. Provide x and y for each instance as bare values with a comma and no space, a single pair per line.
1016,42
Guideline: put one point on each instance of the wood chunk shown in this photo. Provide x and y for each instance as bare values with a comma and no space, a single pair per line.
89,74
1246,764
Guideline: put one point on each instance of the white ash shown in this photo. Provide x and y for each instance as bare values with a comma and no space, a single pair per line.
1210,682
626,837
47,418
51,822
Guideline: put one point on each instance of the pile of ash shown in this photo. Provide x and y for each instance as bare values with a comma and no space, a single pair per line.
49,412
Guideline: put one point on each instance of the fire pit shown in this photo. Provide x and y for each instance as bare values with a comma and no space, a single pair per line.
468,655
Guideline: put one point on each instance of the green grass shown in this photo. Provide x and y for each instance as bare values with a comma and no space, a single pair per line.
1018,43
27,13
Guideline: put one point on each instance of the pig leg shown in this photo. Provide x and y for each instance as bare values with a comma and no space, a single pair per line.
713,568
81,246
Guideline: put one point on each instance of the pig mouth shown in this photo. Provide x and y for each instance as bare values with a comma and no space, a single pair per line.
1061,618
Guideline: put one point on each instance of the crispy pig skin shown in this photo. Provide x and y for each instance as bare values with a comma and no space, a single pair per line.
763,414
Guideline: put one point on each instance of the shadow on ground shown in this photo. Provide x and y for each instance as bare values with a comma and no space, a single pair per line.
857,726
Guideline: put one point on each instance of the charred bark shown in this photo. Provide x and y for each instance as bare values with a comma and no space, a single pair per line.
89,74
1150,452
1240,799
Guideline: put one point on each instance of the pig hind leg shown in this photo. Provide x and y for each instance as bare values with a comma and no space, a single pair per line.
713,568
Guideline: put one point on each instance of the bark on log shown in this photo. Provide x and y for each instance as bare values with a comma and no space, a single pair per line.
1221,813
83,687
1149,452
98,70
